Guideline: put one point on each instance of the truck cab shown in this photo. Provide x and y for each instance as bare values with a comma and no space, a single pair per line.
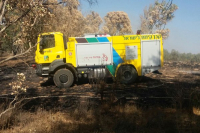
51,47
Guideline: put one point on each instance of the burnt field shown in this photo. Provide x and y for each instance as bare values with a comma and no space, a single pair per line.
164,101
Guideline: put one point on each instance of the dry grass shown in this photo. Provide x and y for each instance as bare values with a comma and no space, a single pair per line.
40,122
105,118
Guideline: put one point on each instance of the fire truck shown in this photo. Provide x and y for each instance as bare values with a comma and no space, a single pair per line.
125,57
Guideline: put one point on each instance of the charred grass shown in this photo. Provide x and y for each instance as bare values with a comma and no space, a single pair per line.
167,102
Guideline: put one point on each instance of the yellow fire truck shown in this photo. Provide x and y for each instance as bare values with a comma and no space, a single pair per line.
95,56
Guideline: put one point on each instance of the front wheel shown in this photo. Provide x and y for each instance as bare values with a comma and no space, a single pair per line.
127,74
63,78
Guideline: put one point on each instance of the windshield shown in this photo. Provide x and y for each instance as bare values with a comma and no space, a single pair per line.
48,41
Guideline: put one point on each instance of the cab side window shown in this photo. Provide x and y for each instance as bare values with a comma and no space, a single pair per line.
48,41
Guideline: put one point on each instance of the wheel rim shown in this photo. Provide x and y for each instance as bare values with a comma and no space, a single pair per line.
63,78
127,75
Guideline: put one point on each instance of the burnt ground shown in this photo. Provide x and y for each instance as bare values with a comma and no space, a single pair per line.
176,84
165,101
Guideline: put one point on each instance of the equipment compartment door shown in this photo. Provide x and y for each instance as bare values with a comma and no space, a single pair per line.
94,54
150,53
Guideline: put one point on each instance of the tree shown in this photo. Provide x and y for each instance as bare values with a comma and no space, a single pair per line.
117,23
175,55
24,11
19,22
22,20
156,17
166,54
93,22
67,19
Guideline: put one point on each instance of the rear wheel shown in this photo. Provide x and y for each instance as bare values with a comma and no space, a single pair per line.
63,78
127,74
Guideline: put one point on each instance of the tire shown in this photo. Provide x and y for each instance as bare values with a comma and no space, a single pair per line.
63,78
127,75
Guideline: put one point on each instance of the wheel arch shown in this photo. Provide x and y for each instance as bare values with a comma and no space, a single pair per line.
59,64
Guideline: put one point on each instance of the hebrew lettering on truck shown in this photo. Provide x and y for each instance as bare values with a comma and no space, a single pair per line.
123,57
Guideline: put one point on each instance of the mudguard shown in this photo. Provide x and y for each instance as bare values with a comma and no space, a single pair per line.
55,64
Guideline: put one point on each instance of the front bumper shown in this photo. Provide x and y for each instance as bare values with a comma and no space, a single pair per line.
41,70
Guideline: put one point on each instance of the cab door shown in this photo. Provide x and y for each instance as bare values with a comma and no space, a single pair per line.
47,48
50,48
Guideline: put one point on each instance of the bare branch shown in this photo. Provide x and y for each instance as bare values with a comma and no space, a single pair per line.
27,51
48,4
11,108
169,4
16,20
15,99
91,2
3,10
1,4
35,20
